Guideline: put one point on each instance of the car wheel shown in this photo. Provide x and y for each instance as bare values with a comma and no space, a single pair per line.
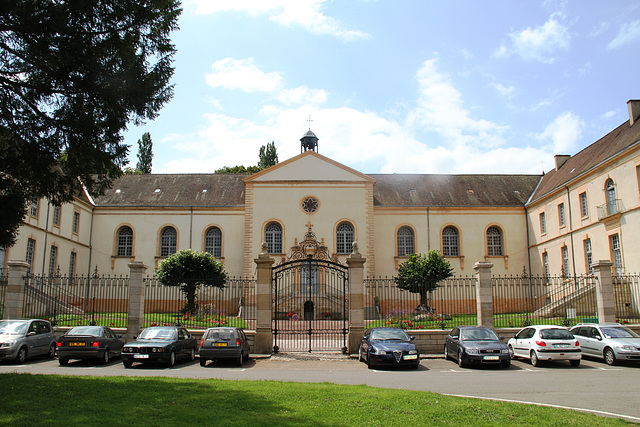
203,362
52,352
534,359
512,354
172,359
240,360
609,356
360,358
506,363
461,361
105,356
192,355
21,357
446,353
575,363
127,363
63,361
369,362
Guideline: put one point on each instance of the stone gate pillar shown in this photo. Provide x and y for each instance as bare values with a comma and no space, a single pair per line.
263,343
484,294
355,261
14,296
604,291
135,319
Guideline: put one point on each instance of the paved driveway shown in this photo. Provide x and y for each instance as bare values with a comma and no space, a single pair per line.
593,386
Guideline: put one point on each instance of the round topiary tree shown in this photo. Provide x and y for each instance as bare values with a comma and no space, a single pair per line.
421,274
190,270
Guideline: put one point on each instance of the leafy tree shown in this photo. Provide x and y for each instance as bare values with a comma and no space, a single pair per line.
268,156
238,169
72,76
145,153
420,274
189,270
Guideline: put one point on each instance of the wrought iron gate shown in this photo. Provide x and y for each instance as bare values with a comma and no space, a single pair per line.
310,305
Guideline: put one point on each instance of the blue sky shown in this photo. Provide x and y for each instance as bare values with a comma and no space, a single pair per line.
396,86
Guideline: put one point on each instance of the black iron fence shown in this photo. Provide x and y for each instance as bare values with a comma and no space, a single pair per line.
453,303
626,289
3,290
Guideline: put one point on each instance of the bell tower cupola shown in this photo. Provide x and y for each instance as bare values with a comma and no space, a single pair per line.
309,142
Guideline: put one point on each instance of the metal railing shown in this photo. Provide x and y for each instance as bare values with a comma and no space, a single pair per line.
610,208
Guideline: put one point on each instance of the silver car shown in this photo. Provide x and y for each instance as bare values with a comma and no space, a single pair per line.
24,338
609,341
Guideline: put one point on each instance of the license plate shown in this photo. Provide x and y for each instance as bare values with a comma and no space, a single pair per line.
561,345
491,358
140,356
410,357
219,344
76,344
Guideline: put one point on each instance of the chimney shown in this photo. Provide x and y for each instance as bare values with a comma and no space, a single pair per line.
561,159
634,110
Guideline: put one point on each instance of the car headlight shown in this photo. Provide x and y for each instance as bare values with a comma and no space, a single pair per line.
159,350
627,347
377,351
471,350
413,351
504,351
9,343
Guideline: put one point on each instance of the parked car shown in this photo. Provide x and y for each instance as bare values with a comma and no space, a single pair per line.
162,344
609,341
224,343
476,344
540,343
88,342
388,347
26,338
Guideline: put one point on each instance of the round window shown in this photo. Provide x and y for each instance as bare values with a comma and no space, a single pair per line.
310,205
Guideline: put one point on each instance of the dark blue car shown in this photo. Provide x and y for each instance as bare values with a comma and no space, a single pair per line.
388,347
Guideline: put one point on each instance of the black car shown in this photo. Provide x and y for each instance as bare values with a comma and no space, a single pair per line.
88,342
224,343
476,344
162,344
388,347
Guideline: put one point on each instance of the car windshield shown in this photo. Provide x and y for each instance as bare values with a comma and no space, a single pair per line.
478,335
86,330
619,333
13,327
220,334
158,334
555,334
389,334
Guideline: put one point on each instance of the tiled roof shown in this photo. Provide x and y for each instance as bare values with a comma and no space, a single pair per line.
400,190
609,145
392,190
197,190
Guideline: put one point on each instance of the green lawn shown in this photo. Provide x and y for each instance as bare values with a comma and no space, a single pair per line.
69,400
119,320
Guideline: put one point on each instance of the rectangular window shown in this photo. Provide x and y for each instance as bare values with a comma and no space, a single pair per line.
543,224
72,264
616,250
588,255
31,249
545,261
53,260
56,216
76,222
584,209
561,222
34,207
565,261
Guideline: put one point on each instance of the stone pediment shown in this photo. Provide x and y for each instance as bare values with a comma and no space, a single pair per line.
309,166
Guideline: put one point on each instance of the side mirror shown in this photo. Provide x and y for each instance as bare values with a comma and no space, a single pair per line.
30,334
598,337
412,338
119,336
454,337
501,338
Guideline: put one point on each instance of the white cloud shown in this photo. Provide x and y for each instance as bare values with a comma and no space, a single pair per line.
629,33
503,90
599,29
242,74
306,14
301,95
539,43
563,133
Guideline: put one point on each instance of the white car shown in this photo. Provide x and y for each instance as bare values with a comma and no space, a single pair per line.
540,343
609,341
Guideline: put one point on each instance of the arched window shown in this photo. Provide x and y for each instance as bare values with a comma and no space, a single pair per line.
213,242
273,237
494,241
125,241
610,188
168,241
450,245
405,241
344,238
